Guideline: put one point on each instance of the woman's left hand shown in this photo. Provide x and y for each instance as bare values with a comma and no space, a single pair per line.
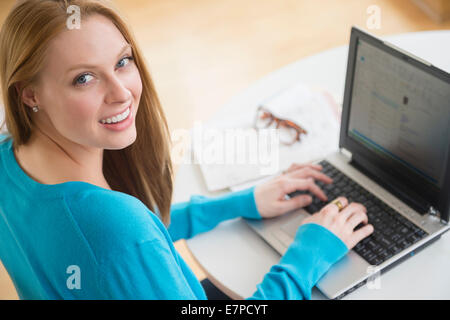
270,196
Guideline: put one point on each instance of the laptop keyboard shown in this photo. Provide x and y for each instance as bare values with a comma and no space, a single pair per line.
392,232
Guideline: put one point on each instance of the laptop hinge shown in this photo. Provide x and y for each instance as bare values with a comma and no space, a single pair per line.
346,153
436,213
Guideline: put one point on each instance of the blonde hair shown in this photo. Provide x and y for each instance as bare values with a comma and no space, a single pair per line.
143,169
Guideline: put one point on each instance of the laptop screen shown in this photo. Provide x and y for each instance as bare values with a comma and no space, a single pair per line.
401,113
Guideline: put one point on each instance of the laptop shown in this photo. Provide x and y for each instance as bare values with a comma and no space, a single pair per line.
393,158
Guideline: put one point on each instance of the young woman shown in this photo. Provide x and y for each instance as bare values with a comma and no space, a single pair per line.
86,177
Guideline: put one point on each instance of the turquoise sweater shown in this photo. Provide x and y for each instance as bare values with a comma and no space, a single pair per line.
75,240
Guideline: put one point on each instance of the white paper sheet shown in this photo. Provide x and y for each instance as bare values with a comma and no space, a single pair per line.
313,109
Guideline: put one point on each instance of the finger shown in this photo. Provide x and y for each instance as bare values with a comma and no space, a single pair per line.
293,167
350,209
298,166
360,234
311,173
332,208
316,166
356,218
296,202
315,189
292,184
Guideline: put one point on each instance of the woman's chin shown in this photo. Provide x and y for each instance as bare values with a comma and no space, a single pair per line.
121,141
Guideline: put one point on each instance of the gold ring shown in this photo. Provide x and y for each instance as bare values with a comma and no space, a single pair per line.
338,204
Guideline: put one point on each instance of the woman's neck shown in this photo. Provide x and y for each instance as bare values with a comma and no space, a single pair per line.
48,162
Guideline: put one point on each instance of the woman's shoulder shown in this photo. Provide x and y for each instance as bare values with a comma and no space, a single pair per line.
91,197
113,219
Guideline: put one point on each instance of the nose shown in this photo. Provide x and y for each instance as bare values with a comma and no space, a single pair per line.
116,92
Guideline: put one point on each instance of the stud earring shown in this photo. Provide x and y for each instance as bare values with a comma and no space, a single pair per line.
35,109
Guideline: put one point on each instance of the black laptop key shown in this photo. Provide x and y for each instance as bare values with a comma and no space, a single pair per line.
396,238
388,231
320,184
347,189
421,233
404,230
414,238
369,255
386,243
395,249
376,212
297,193
372,245
379,250
361,199
376,261
385,255
341,184
328,188
312,208
404,244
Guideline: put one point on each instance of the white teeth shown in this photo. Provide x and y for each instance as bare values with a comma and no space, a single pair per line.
117,118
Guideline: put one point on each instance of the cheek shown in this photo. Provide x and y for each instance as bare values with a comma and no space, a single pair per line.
79,114
81,111
71,110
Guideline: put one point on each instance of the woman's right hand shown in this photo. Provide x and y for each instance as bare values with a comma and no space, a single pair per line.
342,223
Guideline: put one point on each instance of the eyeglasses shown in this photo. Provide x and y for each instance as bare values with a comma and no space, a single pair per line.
289,132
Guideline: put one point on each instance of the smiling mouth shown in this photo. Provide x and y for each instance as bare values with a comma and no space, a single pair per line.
118,117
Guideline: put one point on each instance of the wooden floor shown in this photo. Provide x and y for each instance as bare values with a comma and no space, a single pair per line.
202,52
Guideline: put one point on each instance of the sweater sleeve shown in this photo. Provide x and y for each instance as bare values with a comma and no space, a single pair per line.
314,250
201,214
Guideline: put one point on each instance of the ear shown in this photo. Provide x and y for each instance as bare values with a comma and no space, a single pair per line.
28,95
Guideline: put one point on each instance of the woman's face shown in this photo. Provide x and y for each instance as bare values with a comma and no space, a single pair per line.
89,78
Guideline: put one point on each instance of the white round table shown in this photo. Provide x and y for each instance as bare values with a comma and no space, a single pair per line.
236,259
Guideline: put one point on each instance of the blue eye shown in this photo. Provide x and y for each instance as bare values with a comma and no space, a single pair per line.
129,59
83,76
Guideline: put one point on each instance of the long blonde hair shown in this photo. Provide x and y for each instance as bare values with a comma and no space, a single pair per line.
143,169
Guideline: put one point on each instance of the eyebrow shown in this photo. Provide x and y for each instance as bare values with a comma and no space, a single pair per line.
82,66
